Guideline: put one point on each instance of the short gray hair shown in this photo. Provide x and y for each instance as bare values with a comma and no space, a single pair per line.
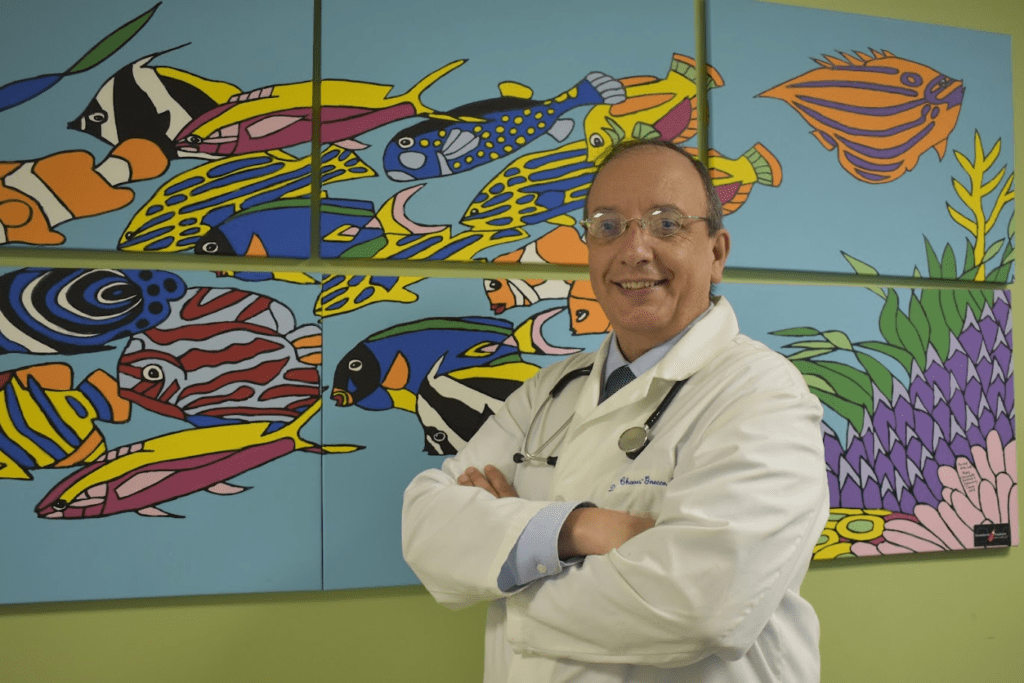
714,215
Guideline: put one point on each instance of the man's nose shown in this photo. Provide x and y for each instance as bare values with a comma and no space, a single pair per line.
636,242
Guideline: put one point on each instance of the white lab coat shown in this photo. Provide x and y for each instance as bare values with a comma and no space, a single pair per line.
735,478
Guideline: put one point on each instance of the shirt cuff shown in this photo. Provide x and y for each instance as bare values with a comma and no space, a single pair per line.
535,554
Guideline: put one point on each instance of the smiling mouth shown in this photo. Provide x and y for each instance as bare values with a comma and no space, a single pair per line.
637,285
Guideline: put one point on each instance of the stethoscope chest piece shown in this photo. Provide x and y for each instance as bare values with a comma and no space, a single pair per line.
632,441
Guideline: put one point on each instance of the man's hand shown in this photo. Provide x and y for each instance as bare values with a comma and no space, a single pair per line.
490,480
598,531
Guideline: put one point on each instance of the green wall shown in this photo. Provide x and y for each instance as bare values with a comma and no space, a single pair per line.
952,617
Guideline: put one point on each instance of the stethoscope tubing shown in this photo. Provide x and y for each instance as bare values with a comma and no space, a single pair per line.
632,453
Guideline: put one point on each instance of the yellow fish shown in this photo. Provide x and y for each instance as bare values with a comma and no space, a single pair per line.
188,205
534,188
400,238
140,477
279,116
735,178
46,423
665,108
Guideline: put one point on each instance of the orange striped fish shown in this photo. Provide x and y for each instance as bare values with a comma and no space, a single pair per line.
880,111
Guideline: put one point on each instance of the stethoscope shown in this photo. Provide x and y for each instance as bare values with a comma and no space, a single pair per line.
632,442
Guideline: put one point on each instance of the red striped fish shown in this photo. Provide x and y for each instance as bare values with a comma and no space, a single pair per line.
224,356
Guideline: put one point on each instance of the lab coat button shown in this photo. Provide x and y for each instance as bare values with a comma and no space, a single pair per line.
542,569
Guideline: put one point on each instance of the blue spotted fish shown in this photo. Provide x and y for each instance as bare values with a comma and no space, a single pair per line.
386,369
78,310
504,125
46,423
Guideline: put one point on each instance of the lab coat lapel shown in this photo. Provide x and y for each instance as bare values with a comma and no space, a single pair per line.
704,341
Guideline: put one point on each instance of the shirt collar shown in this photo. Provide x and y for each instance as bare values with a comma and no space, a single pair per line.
648,360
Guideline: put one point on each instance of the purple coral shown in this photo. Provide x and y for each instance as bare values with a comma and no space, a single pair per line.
950,407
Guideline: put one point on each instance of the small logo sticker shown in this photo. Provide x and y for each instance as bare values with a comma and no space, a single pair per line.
990,535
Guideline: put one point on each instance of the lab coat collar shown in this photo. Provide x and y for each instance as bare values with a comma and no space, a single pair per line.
697,348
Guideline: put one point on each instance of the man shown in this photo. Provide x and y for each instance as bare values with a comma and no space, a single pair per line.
677,561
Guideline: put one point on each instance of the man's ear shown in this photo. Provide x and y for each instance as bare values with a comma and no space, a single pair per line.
721,242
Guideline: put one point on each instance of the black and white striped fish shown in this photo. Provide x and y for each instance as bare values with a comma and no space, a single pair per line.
150,102
451,408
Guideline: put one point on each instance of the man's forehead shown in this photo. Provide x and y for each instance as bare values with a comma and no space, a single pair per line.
662,176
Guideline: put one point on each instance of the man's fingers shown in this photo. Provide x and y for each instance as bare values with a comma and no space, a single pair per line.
490,480
501,486
477,479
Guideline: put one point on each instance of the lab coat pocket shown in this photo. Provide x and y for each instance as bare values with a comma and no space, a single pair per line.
639,486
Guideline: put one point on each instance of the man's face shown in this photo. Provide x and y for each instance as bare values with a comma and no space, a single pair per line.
651,288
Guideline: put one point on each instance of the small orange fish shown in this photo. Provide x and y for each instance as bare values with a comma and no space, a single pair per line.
561,245
39,195
882,112
587,315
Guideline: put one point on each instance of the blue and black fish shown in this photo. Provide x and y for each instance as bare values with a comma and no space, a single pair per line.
281,229
78,310
387,368
504,125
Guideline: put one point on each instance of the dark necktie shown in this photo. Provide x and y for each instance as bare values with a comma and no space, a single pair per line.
619,378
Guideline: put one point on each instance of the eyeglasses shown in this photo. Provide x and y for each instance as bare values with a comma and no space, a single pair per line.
607,225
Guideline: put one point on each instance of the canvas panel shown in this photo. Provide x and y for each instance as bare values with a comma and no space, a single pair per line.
486,144
179,126
882,133
159,434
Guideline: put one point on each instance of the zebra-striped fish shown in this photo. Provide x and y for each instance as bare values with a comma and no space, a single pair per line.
46,423
78,310
224,356
451,408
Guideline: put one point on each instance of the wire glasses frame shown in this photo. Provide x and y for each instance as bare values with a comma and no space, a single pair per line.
658,222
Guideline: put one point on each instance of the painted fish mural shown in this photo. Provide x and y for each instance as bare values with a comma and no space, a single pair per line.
735,178
433,149
39,195
142,476
451,408
653,108
70,311
21,91
224,356
280,116
386,369
348,227
586,314
46,423
881,112
151,103
561,245
534,188
391,234
185,207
